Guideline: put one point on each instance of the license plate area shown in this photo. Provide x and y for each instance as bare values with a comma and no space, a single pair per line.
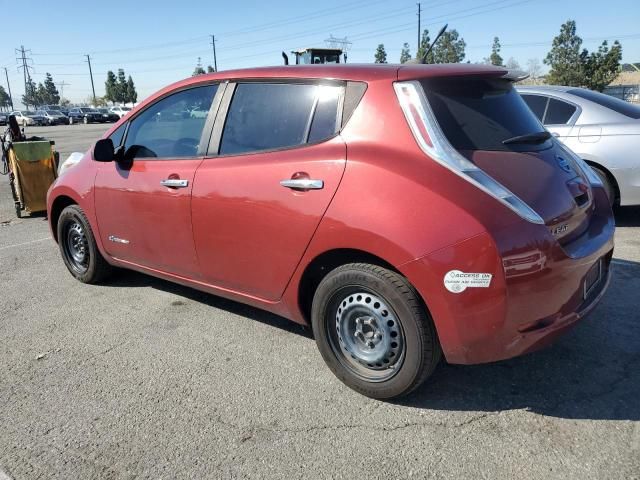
592,279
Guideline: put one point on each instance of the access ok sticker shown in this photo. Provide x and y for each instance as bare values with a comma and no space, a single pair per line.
457,282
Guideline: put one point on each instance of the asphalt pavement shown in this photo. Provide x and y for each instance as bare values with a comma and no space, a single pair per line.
141,378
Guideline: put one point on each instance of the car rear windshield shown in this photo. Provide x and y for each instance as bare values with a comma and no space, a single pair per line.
481,113
615,104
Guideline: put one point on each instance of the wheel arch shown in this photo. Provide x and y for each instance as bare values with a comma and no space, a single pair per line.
59,204
329,260
607,172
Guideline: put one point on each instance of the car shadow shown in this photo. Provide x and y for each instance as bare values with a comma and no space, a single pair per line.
128,279
627,216
593,372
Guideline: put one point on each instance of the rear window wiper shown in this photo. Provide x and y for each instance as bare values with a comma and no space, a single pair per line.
537,137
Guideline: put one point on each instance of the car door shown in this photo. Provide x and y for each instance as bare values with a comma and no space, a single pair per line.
143,202
274,165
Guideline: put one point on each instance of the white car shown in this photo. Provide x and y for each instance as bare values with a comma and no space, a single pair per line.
604,131
120,111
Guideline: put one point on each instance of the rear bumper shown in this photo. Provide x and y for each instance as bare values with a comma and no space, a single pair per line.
537,289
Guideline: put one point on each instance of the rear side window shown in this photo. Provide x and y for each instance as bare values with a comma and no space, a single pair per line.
268,116
615,104
537,104
172,127
558,112
480,113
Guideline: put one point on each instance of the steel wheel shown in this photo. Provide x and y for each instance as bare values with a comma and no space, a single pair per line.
367,336
75,246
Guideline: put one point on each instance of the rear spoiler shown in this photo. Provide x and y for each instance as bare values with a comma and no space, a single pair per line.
515,75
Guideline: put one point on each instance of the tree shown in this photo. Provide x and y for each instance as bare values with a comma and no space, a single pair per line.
4,98
603,66
111,88
405,55
98,102
210,69
30,94
381,55
424,46
565,58
534,68
512,64
573,67
52,94
449,49
131,94
495,58
64,102
121,87
41,95
198,71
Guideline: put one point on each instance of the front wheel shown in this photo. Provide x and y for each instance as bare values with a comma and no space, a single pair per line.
373,331
78,247
86,120
70,120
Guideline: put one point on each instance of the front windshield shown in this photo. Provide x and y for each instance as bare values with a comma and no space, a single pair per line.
51,112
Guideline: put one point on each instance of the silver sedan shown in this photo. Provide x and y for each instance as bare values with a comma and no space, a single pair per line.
603,130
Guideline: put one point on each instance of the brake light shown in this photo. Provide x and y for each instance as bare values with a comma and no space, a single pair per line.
433,142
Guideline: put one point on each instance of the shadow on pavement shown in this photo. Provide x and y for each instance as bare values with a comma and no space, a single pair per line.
128,279
593,372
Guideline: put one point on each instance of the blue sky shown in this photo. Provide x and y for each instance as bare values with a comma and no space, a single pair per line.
158,42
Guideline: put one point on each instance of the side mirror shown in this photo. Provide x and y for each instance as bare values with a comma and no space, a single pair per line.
104,151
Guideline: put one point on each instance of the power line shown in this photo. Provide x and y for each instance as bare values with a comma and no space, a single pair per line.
25,69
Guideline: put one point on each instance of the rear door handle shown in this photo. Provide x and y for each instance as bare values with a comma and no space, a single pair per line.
174,183
302,183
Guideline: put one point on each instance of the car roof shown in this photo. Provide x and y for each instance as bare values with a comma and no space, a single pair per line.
545,88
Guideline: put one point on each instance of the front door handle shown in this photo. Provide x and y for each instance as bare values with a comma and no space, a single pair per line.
174,183
302,183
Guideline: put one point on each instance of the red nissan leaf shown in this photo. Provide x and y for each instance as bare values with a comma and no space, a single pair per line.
405,213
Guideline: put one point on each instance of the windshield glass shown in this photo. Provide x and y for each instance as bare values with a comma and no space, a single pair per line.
615,104
51,112
481,113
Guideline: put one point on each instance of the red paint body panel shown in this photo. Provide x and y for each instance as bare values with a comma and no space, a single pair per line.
250,232
237,233
155,220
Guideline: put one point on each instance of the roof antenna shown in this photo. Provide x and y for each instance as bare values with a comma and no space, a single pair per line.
442,30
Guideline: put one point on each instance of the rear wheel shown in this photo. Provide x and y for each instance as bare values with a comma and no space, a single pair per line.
85,120
78,247
606,183
373,331
70,120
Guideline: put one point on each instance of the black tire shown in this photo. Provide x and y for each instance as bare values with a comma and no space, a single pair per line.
388,300
606,183
88,266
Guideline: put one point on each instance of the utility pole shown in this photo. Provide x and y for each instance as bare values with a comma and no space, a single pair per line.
62,85
25,68
8,87
93,89
419,32
213,44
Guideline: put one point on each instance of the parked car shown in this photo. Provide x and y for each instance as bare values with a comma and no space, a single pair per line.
603,130
120,111
4,118
53,117
107,115
404,212
57,108
27,118
84,115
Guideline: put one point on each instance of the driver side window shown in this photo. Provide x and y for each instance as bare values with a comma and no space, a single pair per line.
172,127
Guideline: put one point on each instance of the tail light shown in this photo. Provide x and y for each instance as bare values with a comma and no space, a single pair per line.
433,142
